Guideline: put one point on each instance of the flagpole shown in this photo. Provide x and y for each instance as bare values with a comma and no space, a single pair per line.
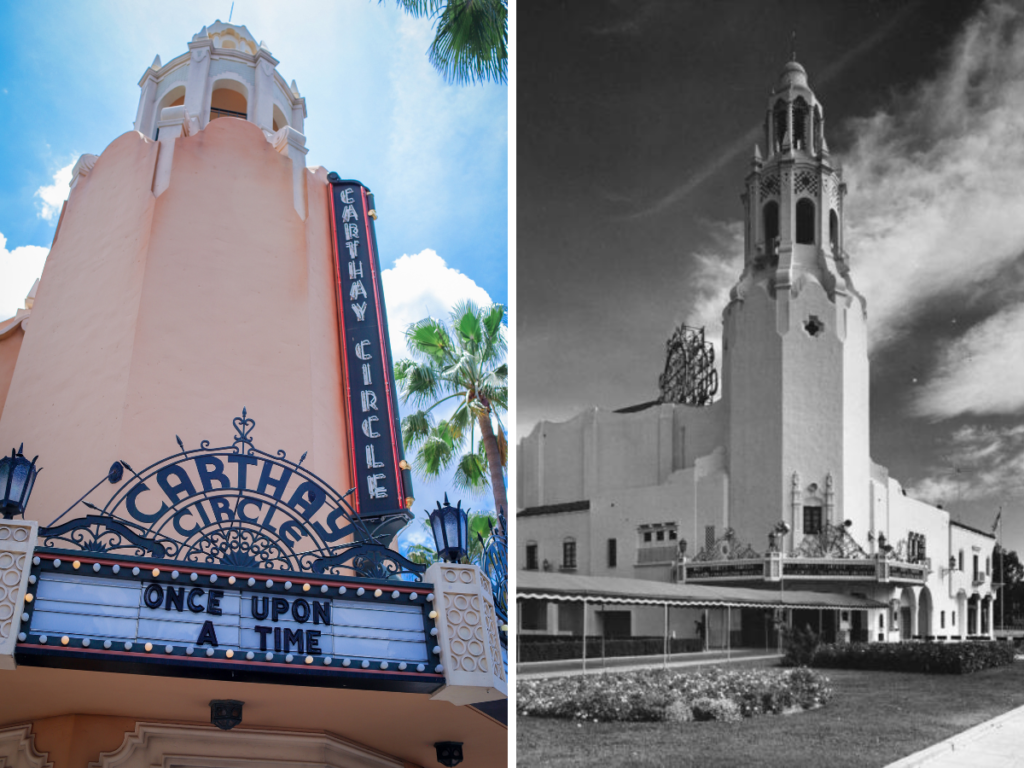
1002,573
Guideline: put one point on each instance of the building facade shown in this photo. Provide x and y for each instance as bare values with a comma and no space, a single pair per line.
773,483
204,373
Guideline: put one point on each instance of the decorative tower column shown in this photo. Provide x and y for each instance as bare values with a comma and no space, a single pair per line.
795,368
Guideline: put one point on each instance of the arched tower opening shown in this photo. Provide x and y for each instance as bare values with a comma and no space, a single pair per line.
804,222
801,123
771,227
280,121
833,231
175,97
780,122
229,99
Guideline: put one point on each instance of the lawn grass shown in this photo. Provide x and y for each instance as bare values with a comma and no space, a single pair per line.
873,719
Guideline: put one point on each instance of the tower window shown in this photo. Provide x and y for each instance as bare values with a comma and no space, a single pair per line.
812,520
833,232
771,226
613,553
804,221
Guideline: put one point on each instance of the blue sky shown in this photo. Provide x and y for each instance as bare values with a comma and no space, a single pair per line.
436,156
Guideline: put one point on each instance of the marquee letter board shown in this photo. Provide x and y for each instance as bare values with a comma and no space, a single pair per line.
147,617
382,487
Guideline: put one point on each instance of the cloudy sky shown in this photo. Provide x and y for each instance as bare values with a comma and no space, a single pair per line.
636,123
435,155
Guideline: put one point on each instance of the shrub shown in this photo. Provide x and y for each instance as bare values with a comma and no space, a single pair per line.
653,695
724,710
935,658
801,645
679,712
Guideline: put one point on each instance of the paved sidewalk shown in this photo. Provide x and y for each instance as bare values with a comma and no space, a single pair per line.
541,669
997,743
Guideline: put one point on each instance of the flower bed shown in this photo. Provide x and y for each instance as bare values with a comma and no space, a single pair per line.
656,695
936,658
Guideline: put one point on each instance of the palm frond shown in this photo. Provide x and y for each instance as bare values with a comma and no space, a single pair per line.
429,340
470,45
471,472
416,427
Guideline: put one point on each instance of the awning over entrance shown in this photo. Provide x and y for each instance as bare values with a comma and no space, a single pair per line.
534,585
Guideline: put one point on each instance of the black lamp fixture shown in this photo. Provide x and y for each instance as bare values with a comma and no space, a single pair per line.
451,531
17,476
226,713
448,752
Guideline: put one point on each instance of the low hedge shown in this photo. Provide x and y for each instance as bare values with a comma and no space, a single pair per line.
935,658
555,648
654,695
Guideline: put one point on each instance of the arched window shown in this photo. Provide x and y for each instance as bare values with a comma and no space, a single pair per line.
771,226
804,221
833,232
568,554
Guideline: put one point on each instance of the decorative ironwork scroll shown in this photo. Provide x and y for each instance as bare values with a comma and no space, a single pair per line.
726,547
833,541
234,506
690,377
494,563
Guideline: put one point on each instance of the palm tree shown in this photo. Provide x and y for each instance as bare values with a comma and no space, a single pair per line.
470,39
462,364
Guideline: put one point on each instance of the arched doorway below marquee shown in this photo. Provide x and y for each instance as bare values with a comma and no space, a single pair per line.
924,613
908,610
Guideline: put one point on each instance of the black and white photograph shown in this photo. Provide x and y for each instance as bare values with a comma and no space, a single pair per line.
769,352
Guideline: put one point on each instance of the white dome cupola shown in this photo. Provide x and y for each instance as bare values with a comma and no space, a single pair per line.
224,73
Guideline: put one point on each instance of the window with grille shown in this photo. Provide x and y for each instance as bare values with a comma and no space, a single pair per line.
531,557
812,520
569,553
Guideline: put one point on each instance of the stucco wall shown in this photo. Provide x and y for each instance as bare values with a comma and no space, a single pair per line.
215,293
10,346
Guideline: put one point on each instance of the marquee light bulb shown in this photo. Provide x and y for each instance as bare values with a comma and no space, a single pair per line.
65,640
305,587
28,597
156,572
229,653
378,592
76,565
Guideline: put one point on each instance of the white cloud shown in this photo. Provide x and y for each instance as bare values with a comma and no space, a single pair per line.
52,196
421,286
982,462
18,270
979,373
935,198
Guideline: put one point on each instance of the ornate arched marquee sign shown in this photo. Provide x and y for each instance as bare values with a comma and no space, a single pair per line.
233,505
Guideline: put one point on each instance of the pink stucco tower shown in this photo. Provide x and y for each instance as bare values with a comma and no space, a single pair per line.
192,274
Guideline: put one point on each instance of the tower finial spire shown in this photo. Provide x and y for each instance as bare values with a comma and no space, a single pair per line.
792,45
